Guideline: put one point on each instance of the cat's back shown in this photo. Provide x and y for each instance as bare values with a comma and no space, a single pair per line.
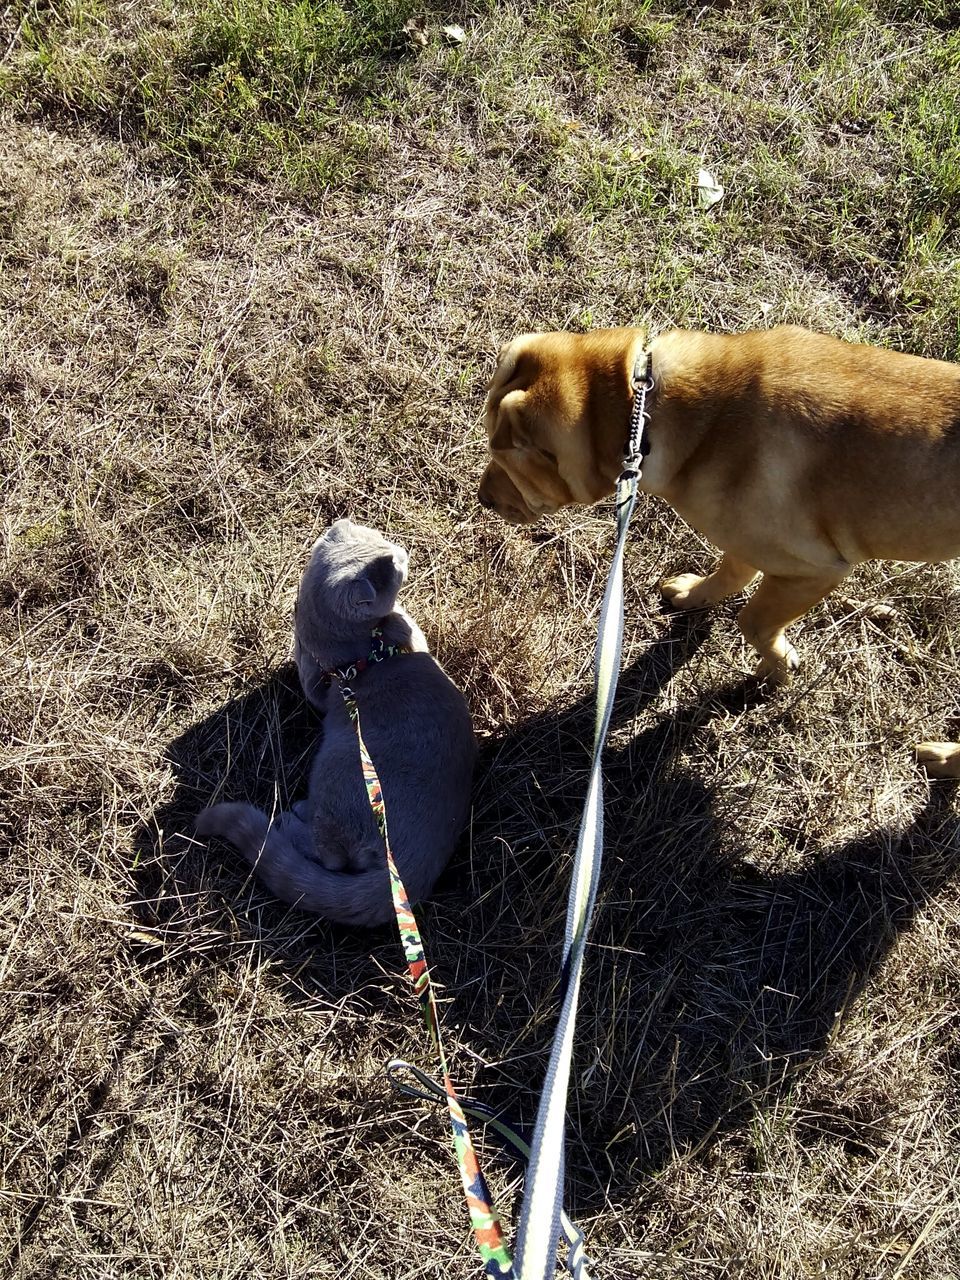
418,731
410,698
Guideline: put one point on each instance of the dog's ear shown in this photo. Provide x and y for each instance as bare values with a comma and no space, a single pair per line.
511,431
506,363
502,353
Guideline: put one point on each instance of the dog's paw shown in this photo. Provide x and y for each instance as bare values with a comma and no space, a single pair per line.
681,591
940,759
776,670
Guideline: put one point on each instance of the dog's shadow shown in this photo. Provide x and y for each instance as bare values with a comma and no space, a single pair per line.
717,982
710,983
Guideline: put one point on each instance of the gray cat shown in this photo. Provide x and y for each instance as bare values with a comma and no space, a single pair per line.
327,855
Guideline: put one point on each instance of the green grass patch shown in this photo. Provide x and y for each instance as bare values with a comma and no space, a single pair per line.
237,88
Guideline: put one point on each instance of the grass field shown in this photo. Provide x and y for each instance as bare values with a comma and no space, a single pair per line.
257,260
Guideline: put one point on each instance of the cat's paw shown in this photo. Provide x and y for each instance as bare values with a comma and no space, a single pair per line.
366,858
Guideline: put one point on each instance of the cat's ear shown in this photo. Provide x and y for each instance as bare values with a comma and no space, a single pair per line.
362,591
339,529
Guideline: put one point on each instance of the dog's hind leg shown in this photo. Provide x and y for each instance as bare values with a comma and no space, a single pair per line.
690,591
773,606
940,759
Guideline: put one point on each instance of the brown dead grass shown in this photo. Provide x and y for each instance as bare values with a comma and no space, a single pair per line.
196,379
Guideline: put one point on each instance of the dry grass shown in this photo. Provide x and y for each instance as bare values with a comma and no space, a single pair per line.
209,351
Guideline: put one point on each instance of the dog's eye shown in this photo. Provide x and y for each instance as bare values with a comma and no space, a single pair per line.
550,457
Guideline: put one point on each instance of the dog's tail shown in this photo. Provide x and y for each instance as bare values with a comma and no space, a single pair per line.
280,852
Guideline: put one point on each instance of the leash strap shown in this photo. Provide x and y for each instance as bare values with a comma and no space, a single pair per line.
541,1217
483,1219
536,1245
432,1092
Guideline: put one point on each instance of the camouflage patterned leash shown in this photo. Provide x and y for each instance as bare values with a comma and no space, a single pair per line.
430,1091
483,1218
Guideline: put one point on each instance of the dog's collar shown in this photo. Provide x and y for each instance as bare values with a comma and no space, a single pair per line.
637,445
379,651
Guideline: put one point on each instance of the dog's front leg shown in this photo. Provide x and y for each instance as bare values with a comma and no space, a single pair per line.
690,591
773,606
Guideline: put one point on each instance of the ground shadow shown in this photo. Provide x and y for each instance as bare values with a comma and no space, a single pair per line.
259,745
718,983
710,983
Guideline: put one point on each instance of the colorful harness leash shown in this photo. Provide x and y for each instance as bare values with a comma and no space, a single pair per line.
541,1216
433,1092
483,1218
378,652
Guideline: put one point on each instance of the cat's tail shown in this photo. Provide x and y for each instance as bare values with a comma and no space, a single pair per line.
279,850
245,827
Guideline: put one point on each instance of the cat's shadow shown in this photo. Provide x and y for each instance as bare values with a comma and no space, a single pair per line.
710,983
259,746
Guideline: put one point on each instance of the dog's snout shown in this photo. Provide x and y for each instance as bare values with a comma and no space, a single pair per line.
485,502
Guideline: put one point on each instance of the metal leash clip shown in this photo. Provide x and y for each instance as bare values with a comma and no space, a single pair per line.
643,384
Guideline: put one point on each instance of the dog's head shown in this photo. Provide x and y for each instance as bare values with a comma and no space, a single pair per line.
556,418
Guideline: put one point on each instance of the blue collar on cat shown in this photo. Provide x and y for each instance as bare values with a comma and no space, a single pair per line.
379,650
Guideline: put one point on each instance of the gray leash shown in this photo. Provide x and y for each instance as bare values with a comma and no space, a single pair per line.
535,1251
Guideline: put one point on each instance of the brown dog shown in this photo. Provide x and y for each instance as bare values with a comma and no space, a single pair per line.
798,455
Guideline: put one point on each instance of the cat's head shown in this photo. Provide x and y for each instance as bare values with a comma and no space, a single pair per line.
354,575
